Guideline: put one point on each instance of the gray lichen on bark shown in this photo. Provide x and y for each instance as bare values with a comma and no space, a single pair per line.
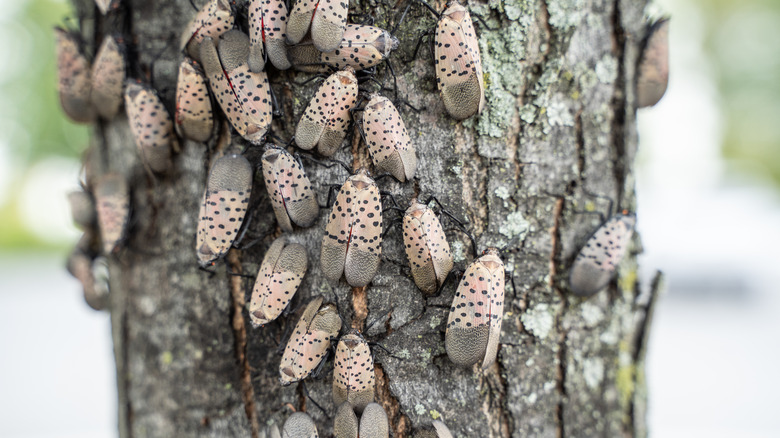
558,127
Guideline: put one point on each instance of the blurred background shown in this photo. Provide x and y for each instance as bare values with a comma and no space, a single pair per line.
709,216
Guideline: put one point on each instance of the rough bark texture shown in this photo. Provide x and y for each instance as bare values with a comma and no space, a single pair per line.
559,127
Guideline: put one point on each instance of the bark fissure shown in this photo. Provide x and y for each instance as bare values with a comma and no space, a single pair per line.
238,325
399,422
619,104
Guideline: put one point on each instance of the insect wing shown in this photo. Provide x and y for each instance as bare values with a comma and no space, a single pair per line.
151,125
253,93
301,15
387,140
338,233
328,24
373,422
653,75
277,282
474,322
345,424
224,207
194,115
75,84
353,375
214,19
458,64
598,259
108,78
112,201
365,238
299,425
256,47
275,32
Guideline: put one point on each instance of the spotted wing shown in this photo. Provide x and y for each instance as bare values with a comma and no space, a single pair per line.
253,93
275,32
419,254
388,142
194,115
496,310
214,19
296,191
336,107
468,325
328,24
338,233
293,365
74,84
273,166
108,77
437,244
365,242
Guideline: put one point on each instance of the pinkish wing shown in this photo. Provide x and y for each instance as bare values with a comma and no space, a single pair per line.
274,19
225,211
495,312
328,24
294,186
357,48
253,93
214,19
471,307
417,250
455,61
437,244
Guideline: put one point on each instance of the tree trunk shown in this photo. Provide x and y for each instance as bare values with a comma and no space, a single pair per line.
559,126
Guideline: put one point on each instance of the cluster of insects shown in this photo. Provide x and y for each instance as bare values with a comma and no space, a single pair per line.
226,65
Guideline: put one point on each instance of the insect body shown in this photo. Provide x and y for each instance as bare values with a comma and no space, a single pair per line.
353,236
289,188
268,23
112,201
458,64
151,126
373,422
474,323
245,97
75,83
353,375
387,140
597,261
223,207
361,47
108,78
324,122
281,272
194,116
214,19
426,247
309,342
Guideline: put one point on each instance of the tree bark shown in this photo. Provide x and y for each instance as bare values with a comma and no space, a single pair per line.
559,126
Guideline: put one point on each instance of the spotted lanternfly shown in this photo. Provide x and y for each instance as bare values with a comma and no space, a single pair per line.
245,97
299,425
82,209
474,324
437,430
309,342
151,126
289,189
353,372
387,140
107,5
426,247
458,63
214,19
224,206
345,424
268,24
324,122
653,73
361,47
112,201
353,236
328,19
194,116
598,259
281,272
75,84
108,78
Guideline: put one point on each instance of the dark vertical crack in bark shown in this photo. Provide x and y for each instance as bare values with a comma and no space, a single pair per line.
399,422
619,104
561,354
239,332
580,143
